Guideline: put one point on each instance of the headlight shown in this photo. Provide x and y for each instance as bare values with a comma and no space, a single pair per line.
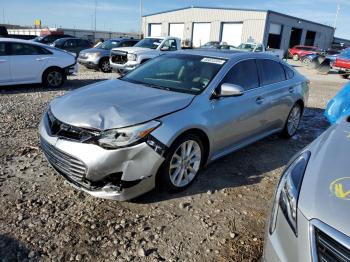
94,55
128,136
132,57
287,192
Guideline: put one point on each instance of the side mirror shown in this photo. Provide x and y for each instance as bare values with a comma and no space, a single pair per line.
228,90
165,48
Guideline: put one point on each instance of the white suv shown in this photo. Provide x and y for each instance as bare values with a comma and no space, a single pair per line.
27,62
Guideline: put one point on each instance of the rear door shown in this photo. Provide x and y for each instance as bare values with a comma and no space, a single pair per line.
27,61
275,92
5,61
238,120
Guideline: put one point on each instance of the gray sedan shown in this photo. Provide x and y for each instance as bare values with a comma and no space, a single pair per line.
310,215
163,122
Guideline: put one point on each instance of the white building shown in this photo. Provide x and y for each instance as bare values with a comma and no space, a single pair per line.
199,25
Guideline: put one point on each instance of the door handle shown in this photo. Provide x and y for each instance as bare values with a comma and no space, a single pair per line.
259,100
291,89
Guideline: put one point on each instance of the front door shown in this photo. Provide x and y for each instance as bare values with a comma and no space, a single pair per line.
5,60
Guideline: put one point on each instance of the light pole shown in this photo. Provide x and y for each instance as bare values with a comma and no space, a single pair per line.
336,17
95,15
141,7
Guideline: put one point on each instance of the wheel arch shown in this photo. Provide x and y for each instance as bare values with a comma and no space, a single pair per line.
50,68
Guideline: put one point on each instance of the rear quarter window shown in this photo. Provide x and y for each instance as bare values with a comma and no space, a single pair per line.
271,72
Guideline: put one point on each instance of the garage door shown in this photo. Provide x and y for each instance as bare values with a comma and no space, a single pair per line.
155,30
176,30
232,33
201,34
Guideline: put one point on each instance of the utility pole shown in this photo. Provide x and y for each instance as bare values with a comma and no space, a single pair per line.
3,15
95,14
141,7
336,17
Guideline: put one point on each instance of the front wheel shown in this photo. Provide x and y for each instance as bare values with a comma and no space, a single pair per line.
292,122
54,78
182,164
105,66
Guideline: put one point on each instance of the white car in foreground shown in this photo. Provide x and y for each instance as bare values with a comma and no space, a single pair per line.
27,62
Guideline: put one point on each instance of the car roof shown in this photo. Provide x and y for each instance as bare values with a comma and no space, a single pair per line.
226,54
15,40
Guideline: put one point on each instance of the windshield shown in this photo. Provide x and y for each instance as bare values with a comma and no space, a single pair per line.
180,73
246,46
151,43
109,44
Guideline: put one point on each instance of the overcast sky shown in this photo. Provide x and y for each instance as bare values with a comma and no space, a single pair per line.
123,15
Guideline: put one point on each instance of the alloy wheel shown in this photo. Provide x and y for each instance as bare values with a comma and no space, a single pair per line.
185,163
54,78
294,120
105,66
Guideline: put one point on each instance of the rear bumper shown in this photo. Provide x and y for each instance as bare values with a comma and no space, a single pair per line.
119,174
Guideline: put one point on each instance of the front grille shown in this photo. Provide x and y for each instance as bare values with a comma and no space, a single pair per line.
118,57
328,249
63,162
63,130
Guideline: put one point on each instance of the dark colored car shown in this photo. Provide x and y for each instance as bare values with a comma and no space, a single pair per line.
299,51
98,57
342,63
49,39
72,45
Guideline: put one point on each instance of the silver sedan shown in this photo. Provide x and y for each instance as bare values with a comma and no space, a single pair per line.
163,122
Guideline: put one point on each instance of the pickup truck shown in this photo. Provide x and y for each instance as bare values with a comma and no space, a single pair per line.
125,59
256,47
342,63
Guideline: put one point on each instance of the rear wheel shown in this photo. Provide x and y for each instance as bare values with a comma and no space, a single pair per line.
53,77
292,122
295,57
105,66
344,75
182,164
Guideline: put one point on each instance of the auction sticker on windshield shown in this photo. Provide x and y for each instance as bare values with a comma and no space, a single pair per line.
213,61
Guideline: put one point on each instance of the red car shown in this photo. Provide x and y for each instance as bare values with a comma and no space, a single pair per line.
299,51
342,63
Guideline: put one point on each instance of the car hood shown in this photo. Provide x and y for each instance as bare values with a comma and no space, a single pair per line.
325,192
94,50
115,103
132,49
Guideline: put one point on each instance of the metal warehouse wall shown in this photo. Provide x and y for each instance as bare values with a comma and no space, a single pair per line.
324,34
253,21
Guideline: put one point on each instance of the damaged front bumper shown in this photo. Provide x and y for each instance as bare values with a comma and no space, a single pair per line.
119,174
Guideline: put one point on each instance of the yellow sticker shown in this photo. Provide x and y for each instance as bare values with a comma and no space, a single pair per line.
341,188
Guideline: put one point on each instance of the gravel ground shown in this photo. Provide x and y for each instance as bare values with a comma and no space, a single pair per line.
221,217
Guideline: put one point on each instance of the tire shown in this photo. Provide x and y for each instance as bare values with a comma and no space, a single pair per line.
54,77
345,76
295,57
105,66
177,167
306,62
292,122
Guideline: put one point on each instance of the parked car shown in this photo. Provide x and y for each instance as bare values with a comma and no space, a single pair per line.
258,47
49,39
310,214
339,105
211,44
72,45
125,59
27,62
217,45
165,120
98,57
299,51
342,63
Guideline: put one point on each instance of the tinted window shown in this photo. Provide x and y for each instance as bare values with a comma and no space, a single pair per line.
244,74
270,71
2,49
26,49
289,72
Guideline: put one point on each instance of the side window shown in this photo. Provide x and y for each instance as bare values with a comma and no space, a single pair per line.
25,49
171,43
270,71
244,74
289,72
3,49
